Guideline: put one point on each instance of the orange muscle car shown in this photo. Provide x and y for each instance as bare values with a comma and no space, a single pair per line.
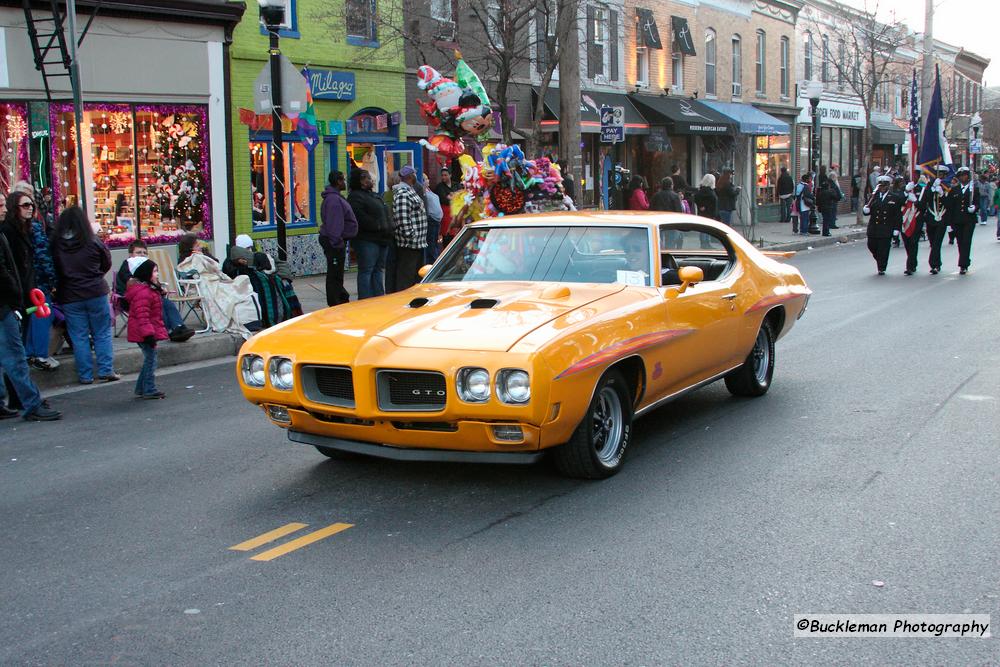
531,333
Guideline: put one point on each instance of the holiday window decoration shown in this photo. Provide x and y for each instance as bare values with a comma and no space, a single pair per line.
13,144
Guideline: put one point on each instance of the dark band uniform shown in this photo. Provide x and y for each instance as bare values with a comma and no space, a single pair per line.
963,207
910,243
886,215
934,203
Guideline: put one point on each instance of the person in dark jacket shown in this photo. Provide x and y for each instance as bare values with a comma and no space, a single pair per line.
666,199
885,211
705,199
963,205
82,261
826,200
443,190
786,188
371,245
680,183
727,194
13,299
805,204
934,203
339,225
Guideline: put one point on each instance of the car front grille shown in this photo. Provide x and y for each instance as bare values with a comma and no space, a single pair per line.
418,391
331,385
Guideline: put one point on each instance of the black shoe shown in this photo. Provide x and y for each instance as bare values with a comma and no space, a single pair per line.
962,272
7,413
43,414
934,272
881,273
155,395
834,226
181,334
907,273
114,377
827,234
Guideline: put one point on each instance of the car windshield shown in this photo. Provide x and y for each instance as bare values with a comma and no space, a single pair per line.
597,254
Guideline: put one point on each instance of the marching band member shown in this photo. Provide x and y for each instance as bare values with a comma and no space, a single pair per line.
964,206
913,223
934,202
885,209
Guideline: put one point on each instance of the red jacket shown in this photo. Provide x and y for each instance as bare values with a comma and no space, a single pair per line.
145,312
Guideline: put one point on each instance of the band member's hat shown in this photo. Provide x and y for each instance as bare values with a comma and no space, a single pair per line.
884,179
962,170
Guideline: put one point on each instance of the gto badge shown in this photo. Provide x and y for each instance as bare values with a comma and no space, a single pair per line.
427,392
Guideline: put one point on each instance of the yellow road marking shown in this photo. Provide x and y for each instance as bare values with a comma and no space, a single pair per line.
269,536
303,541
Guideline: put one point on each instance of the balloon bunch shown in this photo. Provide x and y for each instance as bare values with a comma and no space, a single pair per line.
506,182
457,108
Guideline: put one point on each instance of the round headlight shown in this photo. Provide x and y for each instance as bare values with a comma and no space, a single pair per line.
252,367
281,373
514,386
474,385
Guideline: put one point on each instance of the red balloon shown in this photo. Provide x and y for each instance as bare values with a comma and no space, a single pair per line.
38,298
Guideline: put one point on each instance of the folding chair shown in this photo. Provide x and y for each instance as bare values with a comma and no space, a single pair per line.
188,293
117,312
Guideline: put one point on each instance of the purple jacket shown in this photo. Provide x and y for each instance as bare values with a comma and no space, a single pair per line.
338,219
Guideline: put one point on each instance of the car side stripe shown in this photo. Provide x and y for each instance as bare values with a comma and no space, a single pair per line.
622,349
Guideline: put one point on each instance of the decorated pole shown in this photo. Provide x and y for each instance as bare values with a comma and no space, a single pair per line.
273,15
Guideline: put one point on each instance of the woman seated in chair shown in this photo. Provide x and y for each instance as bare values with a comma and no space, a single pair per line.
228,303
271,280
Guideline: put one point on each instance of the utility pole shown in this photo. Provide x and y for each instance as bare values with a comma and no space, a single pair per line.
570,154
927,71
74,82
272,14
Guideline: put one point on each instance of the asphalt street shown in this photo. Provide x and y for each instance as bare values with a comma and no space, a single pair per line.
874,458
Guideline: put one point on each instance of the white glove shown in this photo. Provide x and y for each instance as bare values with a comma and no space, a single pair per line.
971,209
938,189
866,210
909,187
911,197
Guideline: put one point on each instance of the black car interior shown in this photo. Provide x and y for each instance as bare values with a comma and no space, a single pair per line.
714,256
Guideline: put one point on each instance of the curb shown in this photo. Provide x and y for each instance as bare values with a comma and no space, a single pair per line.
817,241
199,348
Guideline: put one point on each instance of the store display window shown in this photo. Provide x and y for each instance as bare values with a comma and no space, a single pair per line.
300,204
146,170
13,144
772,153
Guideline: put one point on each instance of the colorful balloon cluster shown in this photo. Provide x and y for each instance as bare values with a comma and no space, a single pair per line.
505,182
457,108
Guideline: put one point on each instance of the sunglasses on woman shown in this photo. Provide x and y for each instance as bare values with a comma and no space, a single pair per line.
26,205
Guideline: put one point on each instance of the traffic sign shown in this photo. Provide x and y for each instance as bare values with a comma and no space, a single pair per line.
612,124
976,146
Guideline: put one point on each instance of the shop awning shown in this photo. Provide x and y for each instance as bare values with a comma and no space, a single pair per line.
590,111
682,116
887,133
749,119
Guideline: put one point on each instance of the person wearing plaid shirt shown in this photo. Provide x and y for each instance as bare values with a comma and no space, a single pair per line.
410,218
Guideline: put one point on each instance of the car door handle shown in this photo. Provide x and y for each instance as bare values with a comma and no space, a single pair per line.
729,297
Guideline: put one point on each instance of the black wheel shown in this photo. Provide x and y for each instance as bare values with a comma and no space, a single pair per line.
597,448
753,378
336,454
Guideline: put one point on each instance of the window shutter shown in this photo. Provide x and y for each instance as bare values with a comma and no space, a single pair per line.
613,44
591,47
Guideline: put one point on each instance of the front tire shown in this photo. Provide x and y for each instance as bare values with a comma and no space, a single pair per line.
753,378
598,445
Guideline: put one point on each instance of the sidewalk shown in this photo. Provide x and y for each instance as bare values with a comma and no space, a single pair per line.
312,295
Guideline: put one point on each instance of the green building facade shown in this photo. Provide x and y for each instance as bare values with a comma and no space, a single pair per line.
358,87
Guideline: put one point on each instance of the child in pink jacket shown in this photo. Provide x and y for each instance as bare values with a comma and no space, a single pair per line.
145,321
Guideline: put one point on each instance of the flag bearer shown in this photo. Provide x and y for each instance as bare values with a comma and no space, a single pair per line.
933,200
913,222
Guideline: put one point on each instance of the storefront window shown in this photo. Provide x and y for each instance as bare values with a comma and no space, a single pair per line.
363,156
299,206
13,145
146,170
772,153
718,154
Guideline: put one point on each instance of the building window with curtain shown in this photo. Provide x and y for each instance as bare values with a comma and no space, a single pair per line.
597,42
825,73
784,67
807,59
710,60
760,79
737,66
361,30
642,66
677,71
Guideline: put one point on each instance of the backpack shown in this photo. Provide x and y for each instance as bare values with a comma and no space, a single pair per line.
685,206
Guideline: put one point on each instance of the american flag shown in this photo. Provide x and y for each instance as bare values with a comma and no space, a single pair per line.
914,123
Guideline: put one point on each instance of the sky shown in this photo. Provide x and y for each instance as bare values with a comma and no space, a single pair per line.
972,24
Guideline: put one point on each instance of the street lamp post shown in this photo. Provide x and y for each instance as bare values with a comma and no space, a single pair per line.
814,90
272,15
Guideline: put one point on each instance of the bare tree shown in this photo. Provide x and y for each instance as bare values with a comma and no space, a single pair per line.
499,39
872,49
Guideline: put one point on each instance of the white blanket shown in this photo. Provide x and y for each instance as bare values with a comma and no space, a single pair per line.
228,304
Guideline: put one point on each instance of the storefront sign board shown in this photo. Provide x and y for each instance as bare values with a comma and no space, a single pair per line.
328,84
612,124
833,112
976,146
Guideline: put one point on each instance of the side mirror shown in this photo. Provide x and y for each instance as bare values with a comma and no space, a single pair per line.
424,270
689,275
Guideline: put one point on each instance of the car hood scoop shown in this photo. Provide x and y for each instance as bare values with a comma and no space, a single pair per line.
460,316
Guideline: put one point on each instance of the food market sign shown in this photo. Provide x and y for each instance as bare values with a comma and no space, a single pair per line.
832,112
328,84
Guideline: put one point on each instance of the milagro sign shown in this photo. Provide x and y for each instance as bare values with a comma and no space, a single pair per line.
832,112
328,84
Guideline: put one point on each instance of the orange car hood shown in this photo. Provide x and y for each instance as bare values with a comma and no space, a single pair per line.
448,321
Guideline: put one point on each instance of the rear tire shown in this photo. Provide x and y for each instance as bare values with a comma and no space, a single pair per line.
598,445
336,454
753,378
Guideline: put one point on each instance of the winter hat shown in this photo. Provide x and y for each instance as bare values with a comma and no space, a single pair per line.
134,262
143,271
244,241
407,171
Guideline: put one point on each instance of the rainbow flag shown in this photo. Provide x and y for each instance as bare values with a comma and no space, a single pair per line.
308,128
